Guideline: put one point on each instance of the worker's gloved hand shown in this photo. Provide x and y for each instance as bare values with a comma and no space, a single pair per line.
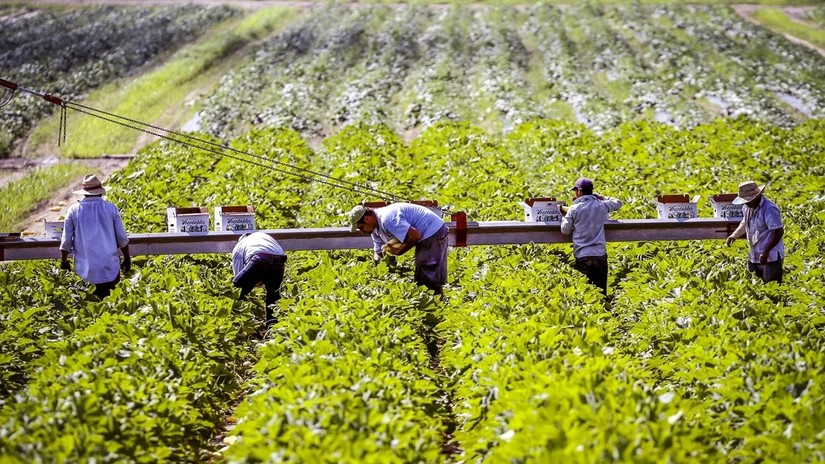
126,265
730,240
64,265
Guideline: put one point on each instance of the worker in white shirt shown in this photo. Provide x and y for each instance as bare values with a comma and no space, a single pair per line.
258,259
93,232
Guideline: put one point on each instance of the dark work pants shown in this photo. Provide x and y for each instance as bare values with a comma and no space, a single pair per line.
768,272
595,268
431,261
267,269
103,290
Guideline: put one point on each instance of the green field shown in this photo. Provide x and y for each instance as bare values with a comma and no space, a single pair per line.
689,359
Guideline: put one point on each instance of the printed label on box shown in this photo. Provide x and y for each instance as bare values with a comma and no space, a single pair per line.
188,220
678,211
54,229
728,210
197,224
542,210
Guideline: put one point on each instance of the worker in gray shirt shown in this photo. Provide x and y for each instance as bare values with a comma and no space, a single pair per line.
585,220
762,225
258,259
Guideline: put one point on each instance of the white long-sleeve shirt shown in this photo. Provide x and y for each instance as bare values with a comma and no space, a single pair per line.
585,219
93,232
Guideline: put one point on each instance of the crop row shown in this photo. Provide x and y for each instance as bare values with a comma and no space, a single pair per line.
144,376
410,67
69,52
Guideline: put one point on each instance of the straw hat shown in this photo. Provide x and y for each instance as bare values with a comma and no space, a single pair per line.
91,186
747,192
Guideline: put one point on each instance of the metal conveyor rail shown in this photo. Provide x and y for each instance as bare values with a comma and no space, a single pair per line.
339,238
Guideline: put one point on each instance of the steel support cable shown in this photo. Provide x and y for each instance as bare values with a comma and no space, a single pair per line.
355,188
4,102
13,87
114,118
331,181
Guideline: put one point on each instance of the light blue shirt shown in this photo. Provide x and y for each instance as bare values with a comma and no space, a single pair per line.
585,219
758,223
394,221
249,245
93,232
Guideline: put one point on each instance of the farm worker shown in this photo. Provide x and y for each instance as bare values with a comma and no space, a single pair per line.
585,219
398,227
93,232
258,259
762,225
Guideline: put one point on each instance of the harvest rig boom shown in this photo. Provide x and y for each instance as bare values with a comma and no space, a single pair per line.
462,233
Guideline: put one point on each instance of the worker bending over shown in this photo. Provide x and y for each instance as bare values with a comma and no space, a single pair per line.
258,259
398,227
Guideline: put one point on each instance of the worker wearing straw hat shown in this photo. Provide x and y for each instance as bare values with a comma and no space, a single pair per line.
400,226
93,232
762,225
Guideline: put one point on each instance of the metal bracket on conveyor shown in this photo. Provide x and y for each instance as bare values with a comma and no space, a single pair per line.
460,228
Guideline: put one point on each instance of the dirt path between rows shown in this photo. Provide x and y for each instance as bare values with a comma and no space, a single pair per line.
56,206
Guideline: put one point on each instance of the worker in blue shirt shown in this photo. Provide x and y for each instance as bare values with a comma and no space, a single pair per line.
93,232
399,227
762,225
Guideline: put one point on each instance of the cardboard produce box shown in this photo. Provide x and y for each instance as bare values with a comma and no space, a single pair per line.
193,220
54,229
723,208
677,207
234,219
542,210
